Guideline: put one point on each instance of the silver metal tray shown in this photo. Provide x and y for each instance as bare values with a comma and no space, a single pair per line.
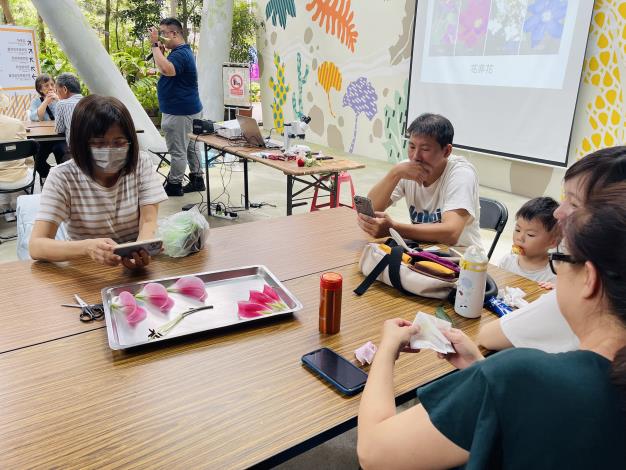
224,289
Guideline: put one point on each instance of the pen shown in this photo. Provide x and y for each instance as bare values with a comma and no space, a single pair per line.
323,158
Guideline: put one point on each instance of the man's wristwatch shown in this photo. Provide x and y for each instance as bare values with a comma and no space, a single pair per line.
155,44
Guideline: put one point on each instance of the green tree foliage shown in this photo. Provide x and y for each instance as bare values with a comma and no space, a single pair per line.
245,25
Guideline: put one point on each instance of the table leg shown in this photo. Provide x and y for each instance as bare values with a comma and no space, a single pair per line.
206,172
333,190
289,194
246,195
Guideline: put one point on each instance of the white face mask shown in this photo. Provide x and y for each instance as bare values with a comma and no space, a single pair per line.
110,159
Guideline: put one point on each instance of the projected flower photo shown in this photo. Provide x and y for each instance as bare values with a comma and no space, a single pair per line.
444,26
543,26
505,27
473,22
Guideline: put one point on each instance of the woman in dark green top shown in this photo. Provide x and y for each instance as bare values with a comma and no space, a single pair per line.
521,408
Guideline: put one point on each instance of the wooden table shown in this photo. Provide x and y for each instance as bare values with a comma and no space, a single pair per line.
228,399
310,177
42,131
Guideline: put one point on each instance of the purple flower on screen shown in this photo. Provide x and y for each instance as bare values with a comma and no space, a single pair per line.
545,17
473,22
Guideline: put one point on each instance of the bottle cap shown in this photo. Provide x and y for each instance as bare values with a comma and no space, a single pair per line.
331,281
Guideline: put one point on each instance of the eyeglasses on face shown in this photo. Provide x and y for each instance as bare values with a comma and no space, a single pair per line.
555,258
101,143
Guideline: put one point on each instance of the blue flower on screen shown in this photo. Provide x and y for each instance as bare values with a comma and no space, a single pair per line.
545,17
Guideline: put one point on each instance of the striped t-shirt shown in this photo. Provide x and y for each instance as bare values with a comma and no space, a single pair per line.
93,211
63,115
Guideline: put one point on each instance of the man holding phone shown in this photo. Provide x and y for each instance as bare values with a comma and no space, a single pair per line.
441,190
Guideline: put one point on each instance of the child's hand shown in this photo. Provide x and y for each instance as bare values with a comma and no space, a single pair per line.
547,285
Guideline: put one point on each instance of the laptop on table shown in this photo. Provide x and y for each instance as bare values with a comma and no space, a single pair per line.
252,134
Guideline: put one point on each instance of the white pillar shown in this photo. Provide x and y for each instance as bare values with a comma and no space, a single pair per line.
213,50
94,65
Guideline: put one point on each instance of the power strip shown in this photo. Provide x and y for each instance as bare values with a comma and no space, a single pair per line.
227,216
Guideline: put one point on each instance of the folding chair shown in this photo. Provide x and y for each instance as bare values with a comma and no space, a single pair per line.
493,216
12,151
164,161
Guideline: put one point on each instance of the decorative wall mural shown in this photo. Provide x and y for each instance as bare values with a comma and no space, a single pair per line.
298,112
402,48
602,86
335,13
361,98
395,125
329,76
280,90
280,9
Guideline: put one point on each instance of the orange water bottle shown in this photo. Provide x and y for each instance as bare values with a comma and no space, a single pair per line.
330,303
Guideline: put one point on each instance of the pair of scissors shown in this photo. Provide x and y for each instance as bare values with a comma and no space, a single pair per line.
89,312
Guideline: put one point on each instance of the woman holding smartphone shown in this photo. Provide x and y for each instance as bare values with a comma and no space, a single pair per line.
521,408
107,194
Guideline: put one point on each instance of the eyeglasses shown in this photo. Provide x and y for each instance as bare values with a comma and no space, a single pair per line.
557,257
101,143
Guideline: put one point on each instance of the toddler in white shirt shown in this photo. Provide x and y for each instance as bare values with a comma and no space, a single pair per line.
536,232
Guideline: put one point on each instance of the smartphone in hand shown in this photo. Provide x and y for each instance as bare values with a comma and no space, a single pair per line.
125,250
336,370
364,205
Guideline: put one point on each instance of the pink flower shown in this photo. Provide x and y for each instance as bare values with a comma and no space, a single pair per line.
191,286
128,305
276,303
473,22
271,293
156,294
139,314
125,302
251,310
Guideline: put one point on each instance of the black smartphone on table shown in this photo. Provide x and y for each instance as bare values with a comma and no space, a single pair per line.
336,370
364,205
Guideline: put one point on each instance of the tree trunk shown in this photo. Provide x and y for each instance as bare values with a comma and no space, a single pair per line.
117,20
184,17
42,33
8,16
107,23
173,8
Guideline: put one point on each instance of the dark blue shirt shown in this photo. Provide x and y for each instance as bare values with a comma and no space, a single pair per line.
179,94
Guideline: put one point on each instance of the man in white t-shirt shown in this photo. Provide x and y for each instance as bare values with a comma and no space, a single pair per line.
441,190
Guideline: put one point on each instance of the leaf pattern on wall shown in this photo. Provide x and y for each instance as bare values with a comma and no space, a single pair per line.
280,8
361,97
338,18
329,76
280,90
395,126
302,78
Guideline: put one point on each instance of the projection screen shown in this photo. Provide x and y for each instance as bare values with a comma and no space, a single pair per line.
505,72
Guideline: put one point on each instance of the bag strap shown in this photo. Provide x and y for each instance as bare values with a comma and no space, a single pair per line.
393,261
371,277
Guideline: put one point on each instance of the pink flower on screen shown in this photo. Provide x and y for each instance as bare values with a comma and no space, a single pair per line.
473,22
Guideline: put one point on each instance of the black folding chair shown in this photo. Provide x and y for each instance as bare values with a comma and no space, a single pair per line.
17,150
164,161
493,216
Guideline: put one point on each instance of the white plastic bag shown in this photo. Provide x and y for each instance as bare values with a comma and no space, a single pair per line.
183,233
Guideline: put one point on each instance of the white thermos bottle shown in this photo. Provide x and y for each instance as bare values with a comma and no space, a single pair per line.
470,290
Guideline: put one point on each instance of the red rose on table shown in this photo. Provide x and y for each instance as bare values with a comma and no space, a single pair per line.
301,162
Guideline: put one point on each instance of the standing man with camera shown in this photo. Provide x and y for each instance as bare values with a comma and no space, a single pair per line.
179,100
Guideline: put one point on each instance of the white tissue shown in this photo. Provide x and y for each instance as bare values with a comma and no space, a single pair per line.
430,335
513,296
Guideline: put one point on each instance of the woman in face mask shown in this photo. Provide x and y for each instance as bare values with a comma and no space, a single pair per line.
106,195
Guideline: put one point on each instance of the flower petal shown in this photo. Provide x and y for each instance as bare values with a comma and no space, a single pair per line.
135,317
191,286
259,297
267,290
251,310
168,305
125,302
154,293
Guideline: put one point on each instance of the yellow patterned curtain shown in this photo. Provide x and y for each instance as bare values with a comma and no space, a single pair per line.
601,105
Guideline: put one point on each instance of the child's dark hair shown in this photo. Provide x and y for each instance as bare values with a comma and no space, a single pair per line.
541,208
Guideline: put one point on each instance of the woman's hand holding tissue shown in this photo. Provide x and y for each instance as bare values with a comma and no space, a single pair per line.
396,337
467,353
